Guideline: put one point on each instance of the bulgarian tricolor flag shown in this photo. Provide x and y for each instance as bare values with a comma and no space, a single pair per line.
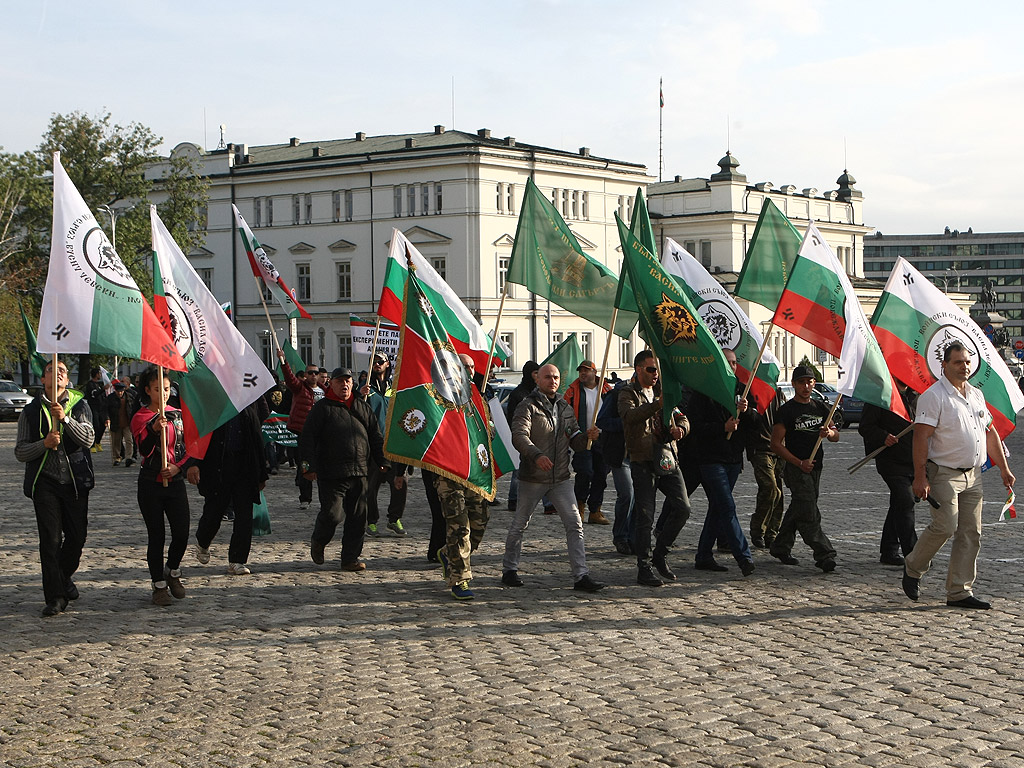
727,322
915,321
263,267
224,373
436,419
464,329
820,306
91,303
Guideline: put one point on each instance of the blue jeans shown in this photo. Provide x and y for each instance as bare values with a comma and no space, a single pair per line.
721,523
624,525
676,512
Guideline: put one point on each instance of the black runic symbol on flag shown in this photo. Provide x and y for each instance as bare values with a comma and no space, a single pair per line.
841,372
249,379
60,332
788,314
169,349
908,279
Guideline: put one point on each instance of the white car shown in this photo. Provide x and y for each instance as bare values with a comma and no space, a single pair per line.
13,399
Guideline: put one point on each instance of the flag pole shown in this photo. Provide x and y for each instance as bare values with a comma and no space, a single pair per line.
817,445
494,336
854,467
604,370
750,381
373,348
263,301
163,432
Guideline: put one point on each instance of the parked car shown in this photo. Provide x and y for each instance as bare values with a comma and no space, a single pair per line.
13,399
852,407
838,418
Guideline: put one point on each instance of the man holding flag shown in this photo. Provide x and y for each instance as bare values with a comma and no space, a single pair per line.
953,431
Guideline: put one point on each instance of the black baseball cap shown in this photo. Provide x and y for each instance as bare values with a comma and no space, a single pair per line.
802,372
341,373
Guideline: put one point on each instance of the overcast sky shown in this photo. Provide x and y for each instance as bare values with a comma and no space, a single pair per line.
922,101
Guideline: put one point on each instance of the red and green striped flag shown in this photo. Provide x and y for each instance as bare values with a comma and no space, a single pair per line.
263,268
91,303
463,328
770,257
820,306
436,419
224,373
914,322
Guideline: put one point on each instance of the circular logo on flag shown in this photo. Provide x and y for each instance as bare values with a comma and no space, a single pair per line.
412,422
104,260
482,456
722,321
942,338
181,331
450,384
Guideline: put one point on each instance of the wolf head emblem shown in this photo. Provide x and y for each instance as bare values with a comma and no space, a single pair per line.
677,324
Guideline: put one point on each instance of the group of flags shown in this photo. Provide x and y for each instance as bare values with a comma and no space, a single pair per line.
436,417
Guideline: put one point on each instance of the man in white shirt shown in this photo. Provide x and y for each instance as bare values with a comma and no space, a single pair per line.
953,432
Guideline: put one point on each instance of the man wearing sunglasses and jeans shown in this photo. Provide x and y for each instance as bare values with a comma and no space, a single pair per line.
654,465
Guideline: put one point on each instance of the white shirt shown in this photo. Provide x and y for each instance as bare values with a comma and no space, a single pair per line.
591,395
960,423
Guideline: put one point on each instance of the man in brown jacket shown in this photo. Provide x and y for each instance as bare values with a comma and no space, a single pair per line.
543,429
654,465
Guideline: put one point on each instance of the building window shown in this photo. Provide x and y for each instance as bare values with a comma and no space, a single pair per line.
257,212
302,282
511,198
206,275
555,198
575,204
586,205
438,263
424,199
565,203
267,351
349,207
345,350
398,201
308,205
412,201
508,338
690,246
437,197
296,208
557,337
705,254
265,290
626,352
585,344
500,197
629,212
503,262
344,281
270,211
305,349
622,208
336,206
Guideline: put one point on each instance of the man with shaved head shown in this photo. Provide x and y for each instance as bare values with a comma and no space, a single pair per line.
544,428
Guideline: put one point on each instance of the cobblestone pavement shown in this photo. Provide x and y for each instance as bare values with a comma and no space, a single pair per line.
305,665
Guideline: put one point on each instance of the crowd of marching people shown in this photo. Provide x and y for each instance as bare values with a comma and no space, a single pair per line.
568,445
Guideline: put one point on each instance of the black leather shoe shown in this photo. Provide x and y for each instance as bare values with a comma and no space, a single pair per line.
55,607
710,565
587,584
969,602
70,590
511,579
658,561
623,548
827,566
891,560
646,577
756,542
786,559
911,586
747,566
316,552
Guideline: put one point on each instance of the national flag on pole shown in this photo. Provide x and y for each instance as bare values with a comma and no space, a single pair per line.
770,257
291,356
687,351
914,322
464,329
820,306
224,373
727,322
437,419
263,268
506,457
1009,511
661,92
226,306
548,259
36,362
363,332
91,303
567,357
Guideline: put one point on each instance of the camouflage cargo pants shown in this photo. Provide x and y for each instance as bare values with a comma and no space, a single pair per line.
465,516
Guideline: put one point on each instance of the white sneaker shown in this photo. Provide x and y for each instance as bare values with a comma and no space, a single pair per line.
202,554
238,569
303,505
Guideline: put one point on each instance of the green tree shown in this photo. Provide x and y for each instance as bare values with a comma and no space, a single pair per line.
807,361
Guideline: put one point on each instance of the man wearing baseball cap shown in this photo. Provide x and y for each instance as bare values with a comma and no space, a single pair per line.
801,421
591,472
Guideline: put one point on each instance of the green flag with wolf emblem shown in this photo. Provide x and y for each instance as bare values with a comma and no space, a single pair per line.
436,419
548,259
687,350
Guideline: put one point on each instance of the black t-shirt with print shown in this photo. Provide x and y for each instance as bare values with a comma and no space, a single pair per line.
803,422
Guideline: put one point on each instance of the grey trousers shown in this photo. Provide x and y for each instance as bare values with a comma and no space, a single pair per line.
563,496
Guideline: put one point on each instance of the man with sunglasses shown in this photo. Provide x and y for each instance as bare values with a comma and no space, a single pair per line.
55,435
654,465
304,393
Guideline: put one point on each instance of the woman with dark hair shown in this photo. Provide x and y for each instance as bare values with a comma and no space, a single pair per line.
162,490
